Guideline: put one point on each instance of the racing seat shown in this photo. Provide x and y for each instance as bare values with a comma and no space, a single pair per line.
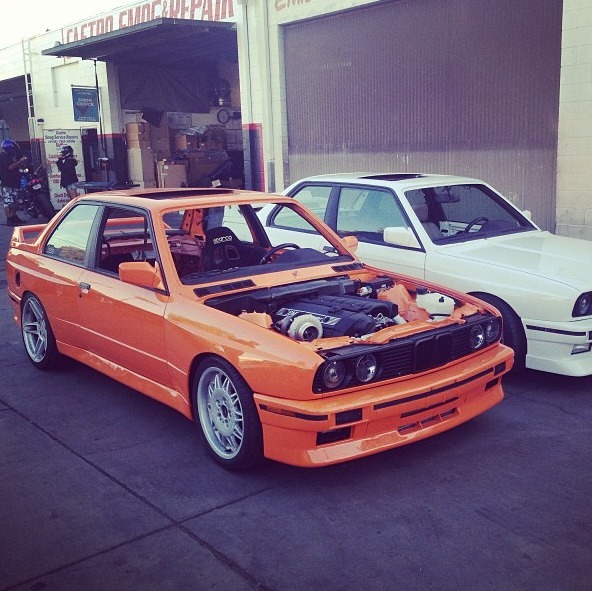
422,212
222,249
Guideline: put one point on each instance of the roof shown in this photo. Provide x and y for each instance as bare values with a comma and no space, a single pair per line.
401,180
161,199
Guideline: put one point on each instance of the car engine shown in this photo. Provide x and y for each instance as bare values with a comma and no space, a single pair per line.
317,309
306,319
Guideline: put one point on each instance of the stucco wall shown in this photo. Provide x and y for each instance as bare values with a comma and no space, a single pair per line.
574,155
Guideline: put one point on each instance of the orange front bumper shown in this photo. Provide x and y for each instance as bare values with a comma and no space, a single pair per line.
367,421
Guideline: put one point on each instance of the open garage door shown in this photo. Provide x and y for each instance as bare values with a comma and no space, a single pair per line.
167,72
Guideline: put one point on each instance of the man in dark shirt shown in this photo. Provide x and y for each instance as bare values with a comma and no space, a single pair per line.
11,159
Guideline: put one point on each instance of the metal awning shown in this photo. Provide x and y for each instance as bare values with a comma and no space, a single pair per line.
160,41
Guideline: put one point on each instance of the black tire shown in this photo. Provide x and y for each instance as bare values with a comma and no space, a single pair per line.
225,412
513,334
43,204
38,338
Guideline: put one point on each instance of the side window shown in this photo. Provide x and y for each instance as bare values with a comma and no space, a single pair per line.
126,237
70,240
314,197
368,212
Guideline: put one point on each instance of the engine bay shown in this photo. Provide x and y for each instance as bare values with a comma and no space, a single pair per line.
334,307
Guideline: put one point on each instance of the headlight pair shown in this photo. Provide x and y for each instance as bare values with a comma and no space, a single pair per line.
485,333
338,373
583,305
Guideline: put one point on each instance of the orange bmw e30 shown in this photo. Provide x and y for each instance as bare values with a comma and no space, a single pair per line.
302,356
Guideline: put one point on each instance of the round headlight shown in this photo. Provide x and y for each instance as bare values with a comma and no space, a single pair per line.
583,305
366,367
477,337
492,330
334,374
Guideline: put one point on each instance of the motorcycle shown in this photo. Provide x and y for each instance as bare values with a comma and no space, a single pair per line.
33,199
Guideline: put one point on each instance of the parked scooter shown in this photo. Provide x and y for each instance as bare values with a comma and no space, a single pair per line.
33,199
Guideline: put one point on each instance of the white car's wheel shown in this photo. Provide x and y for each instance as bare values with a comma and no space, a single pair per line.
227,415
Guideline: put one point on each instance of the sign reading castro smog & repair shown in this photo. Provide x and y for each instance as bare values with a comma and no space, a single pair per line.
121,18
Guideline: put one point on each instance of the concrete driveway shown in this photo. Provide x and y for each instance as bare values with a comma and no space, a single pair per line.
104,489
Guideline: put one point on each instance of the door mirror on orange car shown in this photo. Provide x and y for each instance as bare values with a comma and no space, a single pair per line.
141,273
350,242
400,237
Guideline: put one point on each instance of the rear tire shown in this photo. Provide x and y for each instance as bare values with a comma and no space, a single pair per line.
38,337
226,414
513,335
43,203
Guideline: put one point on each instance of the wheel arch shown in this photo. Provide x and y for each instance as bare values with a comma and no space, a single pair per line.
513,331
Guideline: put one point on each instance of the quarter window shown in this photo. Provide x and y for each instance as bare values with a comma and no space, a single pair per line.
314,197
70,240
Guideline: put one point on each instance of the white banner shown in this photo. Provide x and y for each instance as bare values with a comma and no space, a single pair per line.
54,139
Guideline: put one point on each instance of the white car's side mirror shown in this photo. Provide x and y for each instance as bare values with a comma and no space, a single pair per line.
527,214
400,237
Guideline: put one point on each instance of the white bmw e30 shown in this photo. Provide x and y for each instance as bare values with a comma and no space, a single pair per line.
461,232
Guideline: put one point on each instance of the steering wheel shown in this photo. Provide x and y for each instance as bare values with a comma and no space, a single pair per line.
479,220
270,253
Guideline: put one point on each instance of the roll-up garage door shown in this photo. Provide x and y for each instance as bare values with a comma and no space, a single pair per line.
449,86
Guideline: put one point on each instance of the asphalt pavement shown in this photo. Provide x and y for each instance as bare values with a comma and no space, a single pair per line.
102,488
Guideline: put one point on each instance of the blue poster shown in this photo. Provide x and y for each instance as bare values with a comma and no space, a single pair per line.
86,104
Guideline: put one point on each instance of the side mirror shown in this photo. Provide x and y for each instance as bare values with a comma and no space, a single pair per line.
350,242
141,273
527,214
400,237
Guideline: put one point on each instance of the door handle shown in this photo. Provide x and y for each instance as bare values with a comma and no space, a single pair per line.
84,288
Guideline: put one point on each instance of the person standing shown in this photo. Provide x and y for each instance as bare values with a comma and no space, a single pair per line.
11,159
67,167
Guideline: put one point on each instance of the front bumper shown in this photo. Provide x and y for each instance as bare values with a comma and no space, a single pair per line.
367,421
560,347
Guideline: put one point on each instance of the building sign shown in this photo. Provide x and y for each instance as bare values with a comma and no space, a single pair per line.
54,139
86,104
204,10
283,4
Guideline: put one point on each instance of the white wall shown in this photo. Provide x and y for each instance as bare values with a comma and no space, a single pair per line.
574,154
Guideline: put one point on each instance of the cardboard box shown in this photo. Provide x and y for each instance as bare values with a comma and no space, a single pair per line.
186,141
139,128
140,163
144,184
171,175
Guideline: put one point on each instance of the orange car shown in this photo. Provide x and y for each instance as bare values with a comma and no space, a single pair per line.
305,357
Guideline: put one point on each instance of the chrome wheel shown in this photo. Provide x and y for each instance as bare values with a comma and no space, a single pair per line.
37,334
34,330
220,412
226,414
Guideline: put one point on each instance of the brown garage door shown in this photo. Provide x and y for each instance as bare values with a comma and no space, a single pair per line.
447,86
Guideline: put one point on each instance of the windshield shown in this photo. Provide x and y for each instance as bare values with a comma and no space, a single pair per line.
228,242
464,212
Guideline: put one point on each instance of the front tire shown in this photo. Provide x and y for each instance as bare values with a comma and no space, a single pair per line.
38,337
226,414
513,335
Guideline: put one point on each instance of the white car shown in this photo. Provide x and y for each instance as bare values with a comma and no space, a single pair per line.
460,232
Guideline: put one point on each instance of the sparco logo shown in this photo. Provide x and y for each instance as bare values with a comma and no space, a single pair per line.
222,239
